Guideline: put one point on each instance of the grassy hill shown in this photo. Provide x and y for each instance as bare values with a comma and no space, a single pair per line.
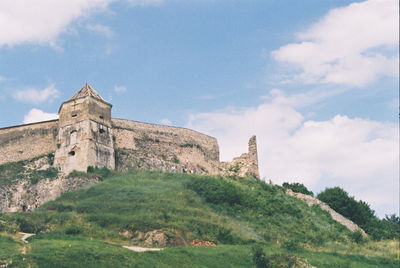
86,228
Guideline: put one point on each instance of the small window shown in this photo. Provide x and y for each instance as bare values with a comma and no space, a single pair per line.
101,117
74,115
101,130
73,136
72,153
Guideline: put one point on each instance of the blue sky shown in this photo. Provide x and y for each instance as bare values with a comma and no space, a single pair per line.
316,81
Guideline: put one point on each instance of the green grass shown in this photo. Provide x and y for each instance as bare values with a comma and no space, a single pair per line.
70,251
9,247
225,211
86,228
11,173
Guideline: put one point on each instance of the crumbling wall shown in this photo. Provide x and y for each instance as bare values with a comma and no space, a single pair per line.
27,141
156,147
245,165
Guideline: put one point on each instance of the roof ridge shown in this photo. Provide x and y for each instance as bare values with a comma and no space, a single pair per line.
85,91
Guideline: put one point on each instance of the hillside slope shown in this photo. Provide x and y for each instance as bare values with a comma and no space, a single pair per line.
169,210
186,207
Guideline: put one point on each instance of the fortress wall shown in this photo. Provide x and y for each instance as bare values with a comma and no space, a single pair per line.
150,146
27,141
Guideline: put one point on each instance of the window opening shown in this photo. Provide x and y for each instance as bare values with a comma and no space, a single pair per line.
72,153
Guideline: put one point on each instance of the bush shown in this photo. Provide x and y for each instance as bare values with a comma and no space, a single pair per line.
216,191
297,188
73,230
357,237
285,260
357,211
291,245
27,224
259,258
90,169
225,236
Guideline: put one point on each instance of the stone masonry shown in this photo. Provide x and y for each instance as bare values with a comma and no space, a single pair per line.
86,135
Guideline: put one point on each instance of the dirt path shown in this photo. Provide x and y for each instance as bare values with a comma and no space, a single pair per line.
133,248
140,249
23,238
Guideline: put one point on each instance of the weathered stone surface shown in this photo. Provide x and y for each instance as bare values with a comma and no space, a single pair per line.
14,197
246,165
27,141
165,148
86,135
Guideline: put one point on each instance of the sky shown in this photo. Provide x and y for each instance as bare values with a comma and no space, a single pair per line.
316,81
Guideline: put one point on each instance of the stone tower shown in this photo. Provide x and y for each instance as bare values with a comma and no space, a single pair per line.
253,157
84,133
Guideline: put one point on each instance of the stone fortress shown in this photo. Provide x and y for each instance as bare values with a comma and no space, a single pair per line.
86,135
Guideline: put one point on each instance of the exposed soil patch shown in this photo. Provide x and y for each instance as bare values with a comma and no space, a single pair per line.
202,243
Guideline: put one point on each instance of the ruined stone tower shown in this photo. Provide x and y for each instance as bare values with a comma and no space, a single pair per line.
84,133
253,157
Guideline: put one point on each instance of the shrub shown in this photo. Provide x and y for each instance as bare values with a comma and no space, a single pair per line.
297,188
357,211
216,191
175,160
285,260
27,224
357,237
73,230
259,258
291,245
225,236
90,169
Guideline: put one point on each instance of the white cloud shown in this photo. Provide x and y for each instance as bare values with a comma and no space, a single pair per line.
37,96
119,89
359,155
166,121
36,115
42,21
100,30
352,45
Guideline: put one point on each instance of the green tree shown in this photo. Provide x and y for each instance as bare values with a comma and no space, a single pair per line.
357,211
297,188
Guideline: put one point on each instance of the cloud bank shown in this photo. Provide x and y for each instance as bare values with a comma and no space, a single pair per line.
36,115
353,45
42,21
37,96
356,154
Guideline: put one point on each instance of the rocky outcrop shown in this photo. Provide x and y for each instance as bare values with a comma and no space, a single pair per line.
335,216
26,196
